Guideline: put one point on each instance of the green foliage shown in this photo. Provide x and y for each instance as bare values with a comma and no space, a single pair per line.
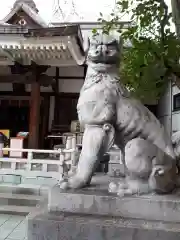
147,66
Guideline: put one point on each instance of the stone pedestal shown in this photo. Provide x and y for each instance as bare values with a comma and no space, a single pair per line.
94,214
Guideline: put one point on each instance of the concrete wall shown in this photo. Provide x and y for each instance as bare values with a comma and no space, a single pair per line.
166,113
175,114
165,109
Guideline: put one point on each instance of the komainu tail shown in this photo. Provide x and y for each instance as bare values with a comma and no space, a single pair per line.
176,144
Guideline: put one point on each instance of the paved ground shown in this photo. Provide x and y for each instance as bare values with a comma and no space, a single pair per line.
12,227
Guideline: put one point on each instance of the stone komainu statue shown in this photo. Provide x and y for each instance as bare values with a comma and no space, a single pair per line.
111,116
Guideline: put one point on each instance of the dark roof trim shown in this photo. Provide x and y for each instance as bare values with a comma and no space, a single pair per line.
67,30
53,31
90,23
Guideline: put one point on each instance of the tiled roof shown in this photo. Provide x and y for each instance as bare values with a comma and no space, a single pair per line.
31,12
30,3
60,45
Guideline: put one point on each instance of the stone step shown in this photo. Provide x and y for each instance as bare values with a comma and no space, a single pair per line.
26,189
57,225
16,210
12,199
21,199
95,200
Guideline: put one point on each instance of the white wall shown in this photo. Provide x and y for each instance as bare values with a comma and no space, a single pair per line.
65,86
6,87
70,86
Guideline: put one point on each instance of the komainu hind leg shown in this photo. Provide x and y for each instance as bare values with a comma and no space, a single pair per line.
149,169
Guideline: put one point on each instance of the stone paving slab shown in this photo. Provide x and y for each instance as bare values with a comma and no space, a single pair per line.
68,226
12,227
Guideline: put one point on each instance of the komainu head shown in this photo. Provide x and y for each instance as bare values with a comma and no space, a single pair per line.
104,49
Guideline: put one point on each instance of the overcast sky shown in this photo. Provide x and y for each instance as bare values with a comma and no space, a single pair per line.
85,10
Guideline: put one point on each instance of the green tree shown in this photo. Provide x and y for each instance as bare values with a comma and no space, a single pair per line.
153,58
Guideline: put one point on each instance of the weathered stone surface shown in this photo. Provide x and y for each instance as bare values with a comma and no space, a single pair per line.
116,167
14,179
96,200
64,226
116,170
94,214
112,116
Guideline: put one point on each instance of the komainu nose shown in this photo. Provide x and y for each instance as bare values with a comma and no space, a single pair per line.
102,49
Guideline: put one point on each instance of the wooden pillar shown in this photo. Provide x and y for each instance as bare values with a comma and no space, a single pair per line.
34,120
57,97
45,106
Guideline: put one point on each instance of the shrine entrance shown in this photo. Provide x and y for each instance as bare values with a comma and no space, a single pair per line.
33,62
30,57
65,111
14,114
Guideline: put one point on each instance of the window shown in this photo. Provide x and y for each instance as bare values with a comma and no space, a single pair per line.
176,102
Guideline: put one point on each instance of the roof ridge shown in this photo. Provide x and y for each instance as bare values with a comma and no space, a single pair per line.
30,3
29,10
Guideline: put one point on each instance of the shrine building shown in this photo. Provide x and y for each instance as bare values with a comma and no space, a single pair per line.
42,69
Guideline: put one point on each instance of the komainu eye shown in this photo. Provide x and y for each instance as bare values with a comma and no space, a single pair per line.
111,47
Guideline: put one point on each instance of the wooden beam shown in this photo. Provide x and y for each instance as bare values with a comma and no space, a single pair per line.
16,78
45,106
34,120
55,85
34,68
71,77
43,94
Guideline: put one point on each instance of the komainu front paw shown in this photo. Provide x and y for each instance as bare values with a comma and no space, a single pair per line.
121,189
131,187
72,183
64,185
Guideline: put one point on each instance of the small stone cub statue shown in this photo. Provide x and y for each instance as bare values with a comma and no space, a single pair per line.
111,116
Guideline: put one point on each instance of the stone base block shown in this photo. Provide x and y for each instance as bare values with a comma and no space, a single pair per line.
66,226
14,179
96,200
94,214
